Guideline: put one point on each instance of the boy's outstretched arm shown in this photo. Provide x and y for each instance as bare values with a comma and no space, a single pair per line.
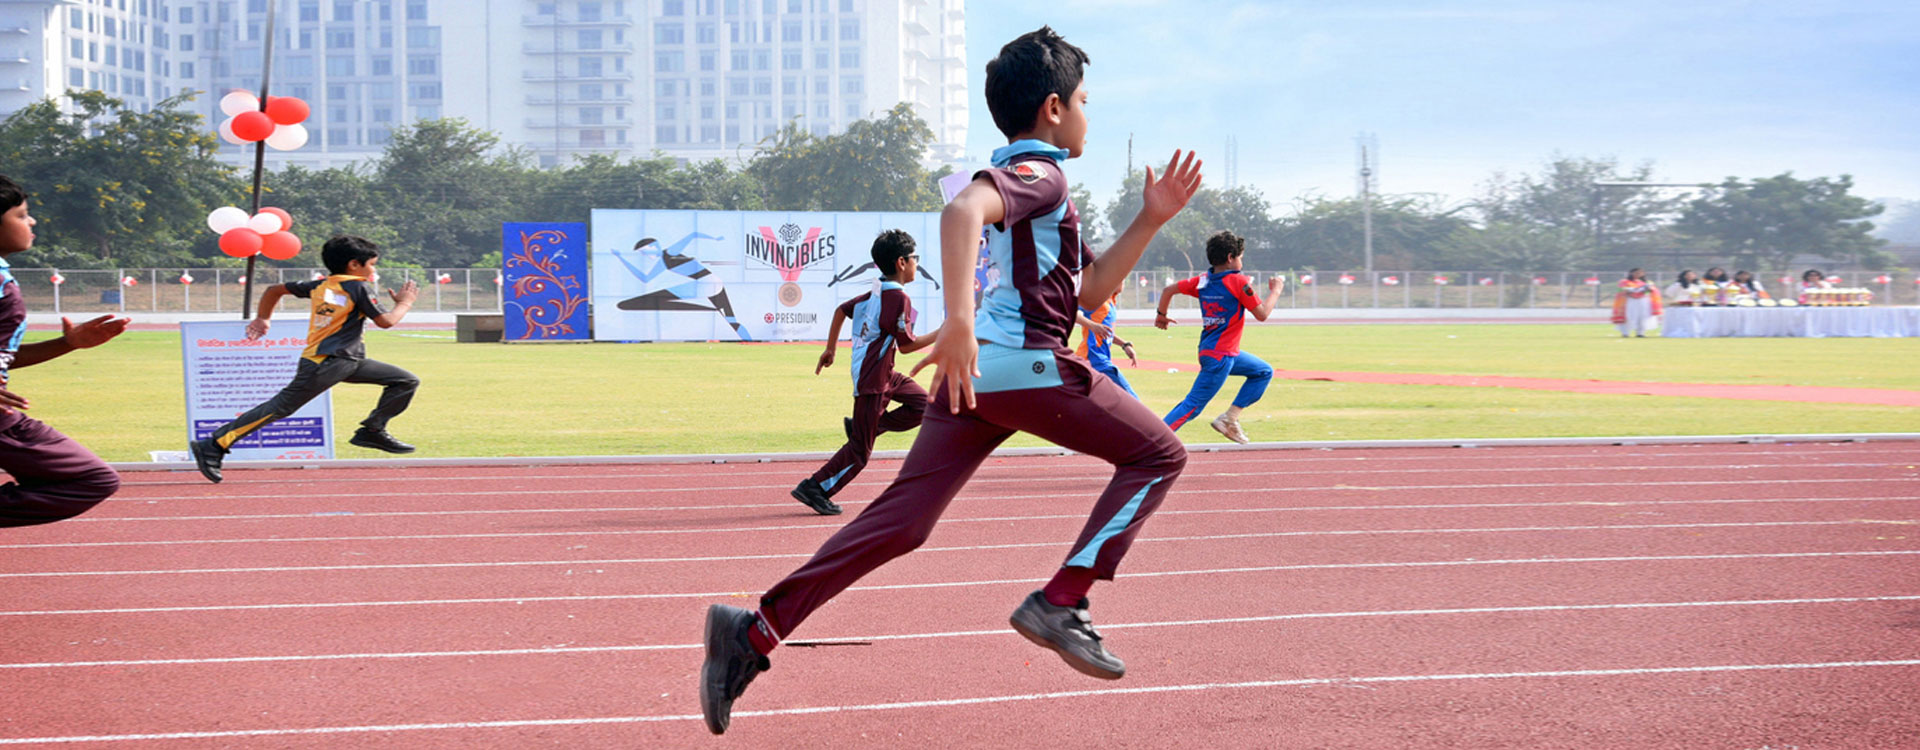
1161,201
1265,308
402,302
1160,319
86,335
956,361
263,316
833,341
920,343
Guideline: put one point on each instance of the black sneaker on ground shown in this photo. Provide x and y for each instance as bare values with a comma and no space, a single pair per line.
731,664
379,440
1069,632
814,496
207,456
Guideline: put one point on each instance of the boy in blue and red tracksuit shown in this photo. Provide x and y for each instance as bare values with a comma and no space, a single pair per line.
1224,293
1014,357
1098,337
54,478
882,323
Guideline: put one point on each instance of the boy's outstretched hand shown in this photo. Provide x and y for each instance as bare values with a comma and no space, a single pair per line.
94,332
1166,195
956,361
826,361
10,401
406,294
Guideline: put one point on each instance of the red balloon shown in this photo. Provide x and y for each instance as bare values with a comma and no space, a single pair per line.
286,110
252,126
280,246
286,219
240,243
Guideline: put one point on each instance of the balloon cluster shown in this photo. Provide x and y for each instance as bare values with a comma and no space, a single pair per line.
1486,281
264,233
1306,279
1391,281
278,123
1346,279
1441,280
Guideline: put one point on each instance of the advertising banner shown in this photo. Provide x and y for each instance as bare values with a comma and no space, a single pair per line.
544,278
745,275
226,375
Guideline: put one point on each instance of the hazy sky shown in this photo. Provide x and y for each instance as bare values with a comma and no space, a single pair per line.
1457,90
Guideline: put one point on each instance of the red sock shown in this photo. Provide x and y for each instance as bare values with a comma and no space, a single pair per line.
761,634
1068,586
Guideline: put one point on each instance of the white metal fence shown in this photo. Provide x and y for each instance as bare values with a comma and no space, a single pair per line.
219,289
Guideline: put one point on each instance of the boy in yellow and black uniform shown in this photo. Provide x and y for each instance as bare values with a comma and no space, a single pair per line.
335,354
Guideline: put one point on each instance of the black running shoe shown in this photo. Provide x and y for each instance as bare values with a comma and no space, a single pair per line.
379,440
731,663
1069,632
207,456
814,496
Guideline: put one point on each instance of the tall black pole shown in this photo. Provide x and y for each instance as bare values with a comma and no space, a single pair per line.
259,148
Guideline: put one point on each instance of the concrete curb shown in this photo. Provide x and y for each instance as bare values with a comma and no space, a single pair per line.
813,456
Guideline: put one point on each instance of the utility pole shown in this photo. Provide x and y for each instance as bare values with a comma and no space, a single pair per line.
1369,154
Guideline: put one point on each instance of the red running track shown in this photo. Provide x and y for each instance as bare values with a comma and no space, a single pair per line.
1694,596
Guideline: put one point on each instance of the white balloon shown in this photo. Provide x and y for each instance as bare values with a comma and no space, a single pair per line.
236,102
226,133
225,219
264,223
288,137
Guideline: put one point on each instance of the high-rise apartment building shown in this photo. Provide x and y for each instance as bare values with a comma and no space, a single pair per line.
693,79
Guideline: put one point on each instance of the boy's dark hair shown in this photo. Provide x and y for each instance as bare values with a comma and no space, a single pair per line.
1224,245
344,249
889,247
11,194
1029,68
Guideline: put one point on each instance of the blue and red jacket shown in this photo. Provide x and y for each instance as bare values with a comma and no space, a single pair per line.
1224,296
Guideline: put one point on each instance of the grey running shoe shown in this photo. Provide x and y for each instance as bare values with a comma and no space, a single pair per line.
1230,427
731,663
1069,632
814,496
206,456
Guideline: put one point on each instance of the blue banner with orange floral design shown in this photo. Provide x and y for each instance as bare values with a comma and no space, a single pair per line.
544,277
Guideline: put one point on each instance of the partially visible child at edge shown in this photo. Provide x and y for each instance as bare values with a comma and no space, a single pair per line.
1097,337
1006,371
1224,293
54,478
335,353
882,322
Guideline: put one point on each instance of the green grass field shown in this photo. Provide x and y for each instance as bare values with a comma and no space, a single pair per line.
125,399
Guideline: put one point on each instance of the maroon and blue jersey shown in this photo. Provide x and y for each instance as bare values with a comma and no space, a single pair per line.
882,322
1033,254
1224,297
13,319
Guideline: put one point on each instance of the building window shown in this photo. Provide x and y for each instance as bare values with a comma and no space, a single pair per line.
666,134
665,111
340,39
789,86
821,58
339,65
590,12
342,10
672,8
853,110
737,86
383,66
708,87
704,34
706,111
593,138
849,30
592,116
423,37
417,11
790,31
846,6
733,134
666,88
850,85
790,60
706,61
422,65
763,86
77,78
669,62
669,34
820,87
850,58
424,91
738,61
591,92
310,11
710,134
590,67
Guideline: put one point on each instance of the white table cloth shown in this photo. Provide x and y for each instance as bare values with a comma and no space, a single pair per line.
1808,322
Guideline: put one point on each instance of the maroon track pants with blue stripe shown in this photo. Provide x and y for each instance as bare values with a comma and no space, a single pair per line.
1086,413
54,478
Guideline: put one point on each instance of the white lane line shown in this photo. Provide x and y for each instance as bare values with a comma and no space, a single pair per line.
1054,474
879,483
960,584
1863,522
1051,463
548,492
555,650
835,525
1344,681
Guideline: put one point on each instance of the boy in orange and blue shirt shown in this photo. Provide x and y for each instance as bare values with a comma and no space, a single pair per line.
335,353
1014,357
1097,337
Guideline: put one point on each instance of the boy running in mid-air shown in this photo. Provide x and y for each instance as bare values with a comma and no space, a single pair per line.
335,354
54,477
882,322
1014,357
1223,294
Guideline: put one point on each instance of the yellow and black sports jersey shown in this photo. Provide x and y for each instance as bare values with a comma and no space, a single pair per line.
341,304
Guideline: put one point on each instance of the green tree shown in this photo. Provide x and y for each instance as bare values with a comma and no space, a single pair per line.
114,186
1619,223
1408,232
446,186
1504,246
1182,243
329,202
873,166
1770,220
603,181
